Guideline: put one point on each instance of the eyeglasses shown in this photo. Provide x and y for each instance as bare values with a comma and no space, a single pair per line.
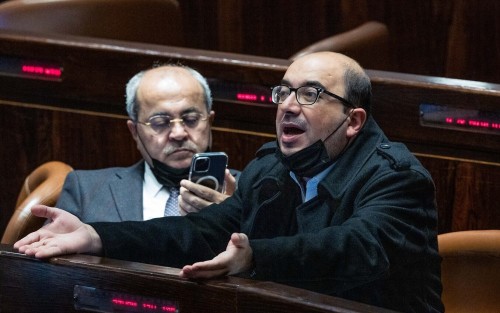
162,123
305,95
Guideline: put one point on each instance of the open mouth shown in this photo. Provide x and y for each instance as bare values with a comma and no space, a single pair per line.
292,130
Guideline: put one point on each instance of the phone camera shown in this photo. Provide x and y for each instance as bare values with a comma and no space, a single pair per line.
202,164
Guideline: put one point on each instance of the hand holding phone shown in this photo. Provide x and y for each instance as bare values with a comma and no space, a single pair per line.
208,169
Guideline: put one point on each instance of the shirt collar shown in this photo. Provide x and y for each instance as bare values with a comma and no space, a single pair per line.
311,190
150,181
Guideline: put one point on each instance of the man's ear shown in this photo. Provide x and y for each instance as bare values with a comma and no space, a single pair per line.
211,117
132,128
357,119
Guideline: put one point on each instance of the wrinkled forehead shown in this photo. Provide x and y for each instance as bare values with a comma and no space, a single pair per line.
170,84
309,70
170,78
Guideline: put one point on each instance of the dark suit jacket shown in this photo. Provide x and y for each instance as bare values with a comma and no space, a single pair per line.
370,235
106,195
110,194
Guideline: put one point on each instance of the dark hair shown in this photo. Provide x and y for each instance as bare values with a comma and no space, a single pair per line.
358,88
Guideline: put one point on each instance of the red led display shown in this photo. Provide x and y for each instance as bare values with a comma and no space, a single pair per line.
41,70
459,118
149,306
168,309
106,301
137,306
34,69
246,97
122,302
252,97
471,123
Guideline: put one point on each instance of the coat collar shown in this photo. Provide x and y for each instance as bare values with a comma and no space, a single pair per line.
352,161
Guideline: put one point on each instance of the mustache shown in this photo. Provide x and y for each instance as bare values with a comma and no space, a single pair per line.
173,147
293,120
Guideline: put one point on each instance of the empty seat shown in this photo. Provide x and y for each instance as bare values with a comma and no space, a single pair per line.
470,270
368,44
42,186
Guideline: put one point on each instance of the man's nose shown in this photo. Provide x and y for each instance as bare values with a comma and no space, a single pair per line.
290,104
177,130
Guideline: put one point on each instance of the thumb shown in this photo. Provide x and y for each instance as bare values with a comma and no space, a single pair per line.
239,239
44,211
230,183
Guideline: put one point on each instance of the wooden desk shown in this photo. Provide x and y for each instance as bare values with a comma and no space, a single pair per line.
76,282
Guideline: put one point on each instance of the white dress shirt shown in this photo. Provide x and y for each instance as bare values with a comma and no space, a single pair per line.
154,195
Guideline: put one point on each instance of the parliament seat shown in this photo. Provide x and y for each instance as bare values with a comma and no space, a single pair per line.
470,270
368,44
147,21
42,186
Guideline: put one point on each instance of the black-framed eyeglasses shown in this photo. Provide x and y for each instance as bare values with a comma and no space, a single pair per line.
305,95
162,123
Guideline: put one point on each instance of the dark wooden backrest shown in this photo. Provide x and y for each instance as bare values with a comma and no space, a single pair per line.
151,21
75,282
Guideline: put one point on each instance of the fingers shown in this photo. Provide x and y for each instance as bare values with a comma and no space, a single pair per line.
38,244
194,197
189,202
40,211
47,252
21,244
230,183
196,274
44,211
55,246
203,192
184,206
240,240
236,259
207,269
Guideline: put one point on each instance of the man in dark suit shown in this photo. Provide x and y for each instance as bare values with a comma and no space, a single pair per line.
170,119
331,206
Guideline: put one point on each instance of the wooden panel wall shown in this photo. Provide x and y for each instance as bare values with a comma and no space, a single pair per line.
83,123
449,38
81,120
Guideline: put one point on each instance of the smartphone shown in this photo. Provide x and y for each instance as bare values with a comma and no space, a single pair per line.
208,169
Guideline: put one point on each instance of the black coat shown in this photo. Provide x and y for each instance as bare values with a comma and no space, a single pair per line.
370,235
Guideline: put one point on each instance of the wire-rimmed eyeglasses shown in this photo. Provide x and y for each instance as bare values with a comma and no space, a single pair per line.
161,123
305,95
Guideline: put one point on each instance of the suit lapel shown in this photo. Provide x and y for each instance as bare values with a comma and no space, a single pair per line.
126,189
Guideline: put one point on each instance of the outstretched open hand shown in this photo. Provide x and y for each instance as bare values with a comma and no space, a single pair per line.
63,234
236,259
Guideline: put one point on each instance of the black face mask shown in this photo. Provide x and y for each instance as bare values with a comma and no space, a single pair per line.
307,162
168,176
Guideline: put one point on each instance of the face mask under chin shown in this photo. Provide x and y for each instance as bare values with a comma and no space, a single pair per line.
307,162
168,176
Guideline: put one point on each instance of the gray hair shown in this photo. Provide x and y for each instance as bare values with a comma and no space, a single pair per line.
131,90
